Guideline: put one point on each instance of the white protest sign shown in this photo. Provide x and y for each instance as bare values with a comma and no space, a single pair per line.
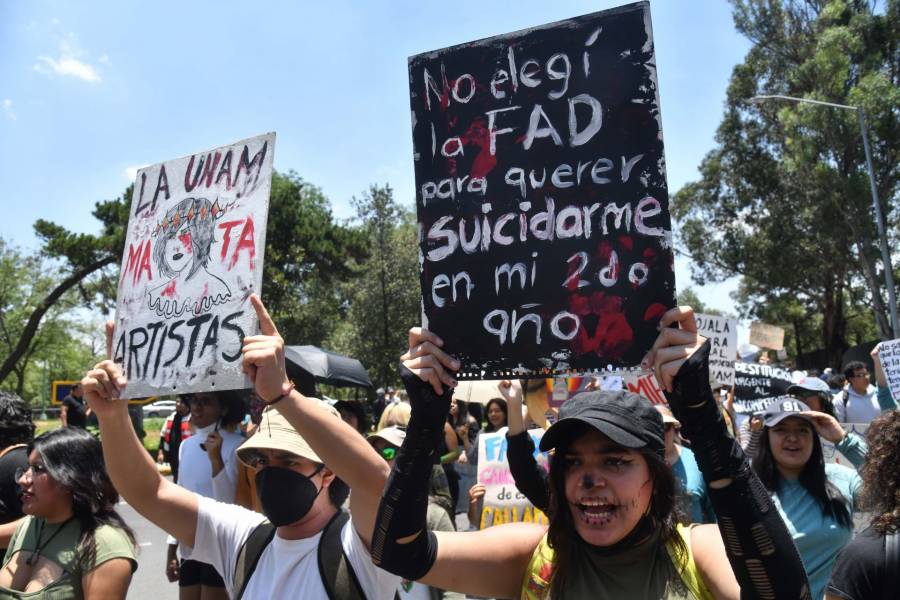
503,502
766,336
193,255
645,384
722,334
889,354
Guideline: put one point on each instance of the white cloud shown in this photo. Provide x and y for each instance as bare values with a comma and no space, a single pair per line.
70,62
7,110
104,59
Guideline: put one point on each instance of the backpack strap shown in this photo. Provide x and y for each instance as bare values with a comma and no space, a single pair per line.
334,568
249,554
891,564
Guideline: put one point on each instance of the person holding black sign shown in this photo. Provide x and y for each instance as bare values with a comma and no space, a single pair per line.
612,527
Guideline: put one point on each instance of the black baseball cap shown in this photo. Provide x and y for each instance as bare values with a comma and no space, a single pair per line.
626,418
782,408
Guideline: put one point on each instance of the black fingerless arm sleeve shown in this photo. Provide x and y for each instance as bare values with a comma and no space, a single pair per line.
530,478
404,503
762,553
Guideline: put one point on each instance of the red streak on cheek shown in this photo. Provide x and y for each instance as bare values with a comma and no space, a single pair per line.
169,290
185,239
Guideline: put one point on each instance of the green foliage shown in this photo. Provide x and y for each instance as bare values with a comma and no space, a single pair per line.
385,302
783,200
309,259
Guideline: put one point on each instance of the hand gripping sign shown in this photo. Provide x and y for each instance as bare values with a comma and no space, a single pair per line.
193,255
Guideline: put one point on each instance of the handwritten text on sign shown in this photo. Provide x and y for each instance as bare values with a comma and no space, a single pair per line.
889,354
541,196
503,502
193,255
722,334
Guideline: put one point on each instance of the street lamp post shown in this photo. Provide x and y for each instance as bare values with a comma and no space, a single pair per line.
879,219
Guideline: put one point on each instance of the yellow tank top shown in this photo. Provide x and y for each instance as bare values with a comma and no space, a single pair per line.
536,583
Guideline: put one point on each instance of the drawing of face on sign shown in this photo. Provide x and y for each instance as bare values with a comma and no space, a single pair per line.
181,253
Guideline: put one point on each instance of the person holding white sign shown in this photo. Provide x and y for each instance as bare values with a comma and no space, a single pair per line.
612,530
304,457
860,402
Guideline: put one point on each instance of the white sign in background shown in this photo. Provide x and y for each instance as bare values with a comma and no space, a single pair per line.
193,254
722,333
503,502
889,353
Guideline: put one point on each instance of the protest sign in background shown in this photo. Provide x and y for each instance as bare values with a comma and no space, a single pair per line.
722,333
756,385
766,336
193,255
545,233
645,384
889,354
503,502
830,453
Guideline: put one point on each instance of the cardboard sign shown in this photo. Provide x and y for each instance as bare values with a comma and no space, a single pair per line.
755,386
503,502
766,336
193,255
541,195
722,333
889,354
645,384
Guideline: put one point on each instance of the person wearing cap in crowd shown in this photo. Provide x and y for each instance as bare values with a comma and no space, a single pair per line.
387,443
612,531
353,414
815,499
684,465
868,567
304,455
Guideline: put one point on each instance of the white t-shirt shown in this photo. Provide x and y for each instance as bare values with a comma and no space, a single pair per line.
195,470
287,568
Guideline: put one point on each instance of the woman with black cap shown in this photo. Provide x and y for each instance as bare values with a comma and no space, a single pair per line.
613,531
815,499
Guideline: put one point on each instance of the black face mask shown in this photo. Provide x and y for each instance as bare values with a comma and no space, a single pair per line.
286,496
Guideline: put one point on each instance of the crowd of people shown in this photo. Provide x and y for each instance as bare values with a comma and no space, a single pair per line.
308,499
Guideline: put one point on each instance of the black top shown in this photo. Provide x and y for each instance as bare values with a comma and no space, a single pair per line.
10,504
530,479
75,410
859,569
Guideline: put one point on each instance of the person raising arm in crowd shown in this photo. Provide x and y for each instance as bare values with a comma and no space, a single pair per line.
301,451
612,530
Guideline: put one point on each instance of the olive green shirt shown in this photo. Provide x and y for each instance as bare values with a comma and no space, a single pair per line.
110,542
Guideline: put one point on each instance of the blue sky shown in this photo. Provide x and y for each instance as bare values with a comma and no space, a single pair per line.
91,90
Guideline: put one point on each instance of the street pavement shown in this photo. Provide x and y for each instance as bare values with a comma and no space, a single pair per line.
149,581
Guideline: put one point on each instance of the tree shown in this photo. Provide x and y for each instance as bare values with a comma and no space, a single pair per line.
783,199
385,302
309,259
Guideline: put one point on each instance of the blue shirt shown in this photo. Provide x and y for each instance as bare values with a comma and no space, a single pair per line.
819,538
688,473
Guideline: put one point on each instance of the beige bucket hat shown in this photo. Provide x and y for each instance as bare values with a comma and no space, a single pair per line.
275,433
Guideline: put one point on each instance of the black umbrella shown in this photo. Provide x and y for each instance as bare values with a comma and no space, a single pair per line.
310,362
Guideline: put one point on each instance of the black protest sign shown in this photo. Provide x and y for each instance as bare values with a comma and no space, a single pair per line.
545,234
755,385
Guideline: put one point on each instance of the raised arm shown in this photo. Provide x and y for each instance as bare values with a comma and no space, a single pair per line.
530,478
759,547
486,563
339,445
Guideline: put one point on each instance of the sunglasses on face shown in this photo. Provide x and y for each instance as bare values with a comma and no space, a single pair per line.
866,375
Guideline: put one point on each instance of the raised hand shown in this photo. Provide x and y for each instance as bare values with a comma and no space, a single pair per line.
101,387
264,357
826,426
673,346
426,359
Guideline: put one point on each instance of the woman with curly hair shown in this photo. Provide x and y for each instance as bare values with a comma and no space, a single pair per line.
73,544
861,570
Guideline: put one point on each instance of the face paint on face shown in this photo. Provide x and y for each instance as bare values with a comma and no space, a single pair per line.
178,251
607,486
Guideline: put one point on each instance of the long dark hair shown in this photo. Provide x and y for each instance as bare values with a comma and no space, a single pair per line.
812,478
501,404
563,537
74,459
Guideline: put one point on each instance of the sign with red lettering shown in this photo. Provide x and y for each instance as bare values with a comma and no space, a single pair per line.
545,234
645,384
193,255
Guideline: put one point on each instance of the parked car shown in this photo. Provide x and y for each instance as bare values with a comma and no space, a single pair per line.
160,408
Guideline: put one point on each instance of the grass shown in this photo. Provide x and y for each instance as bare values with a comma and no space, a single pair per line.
151,427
